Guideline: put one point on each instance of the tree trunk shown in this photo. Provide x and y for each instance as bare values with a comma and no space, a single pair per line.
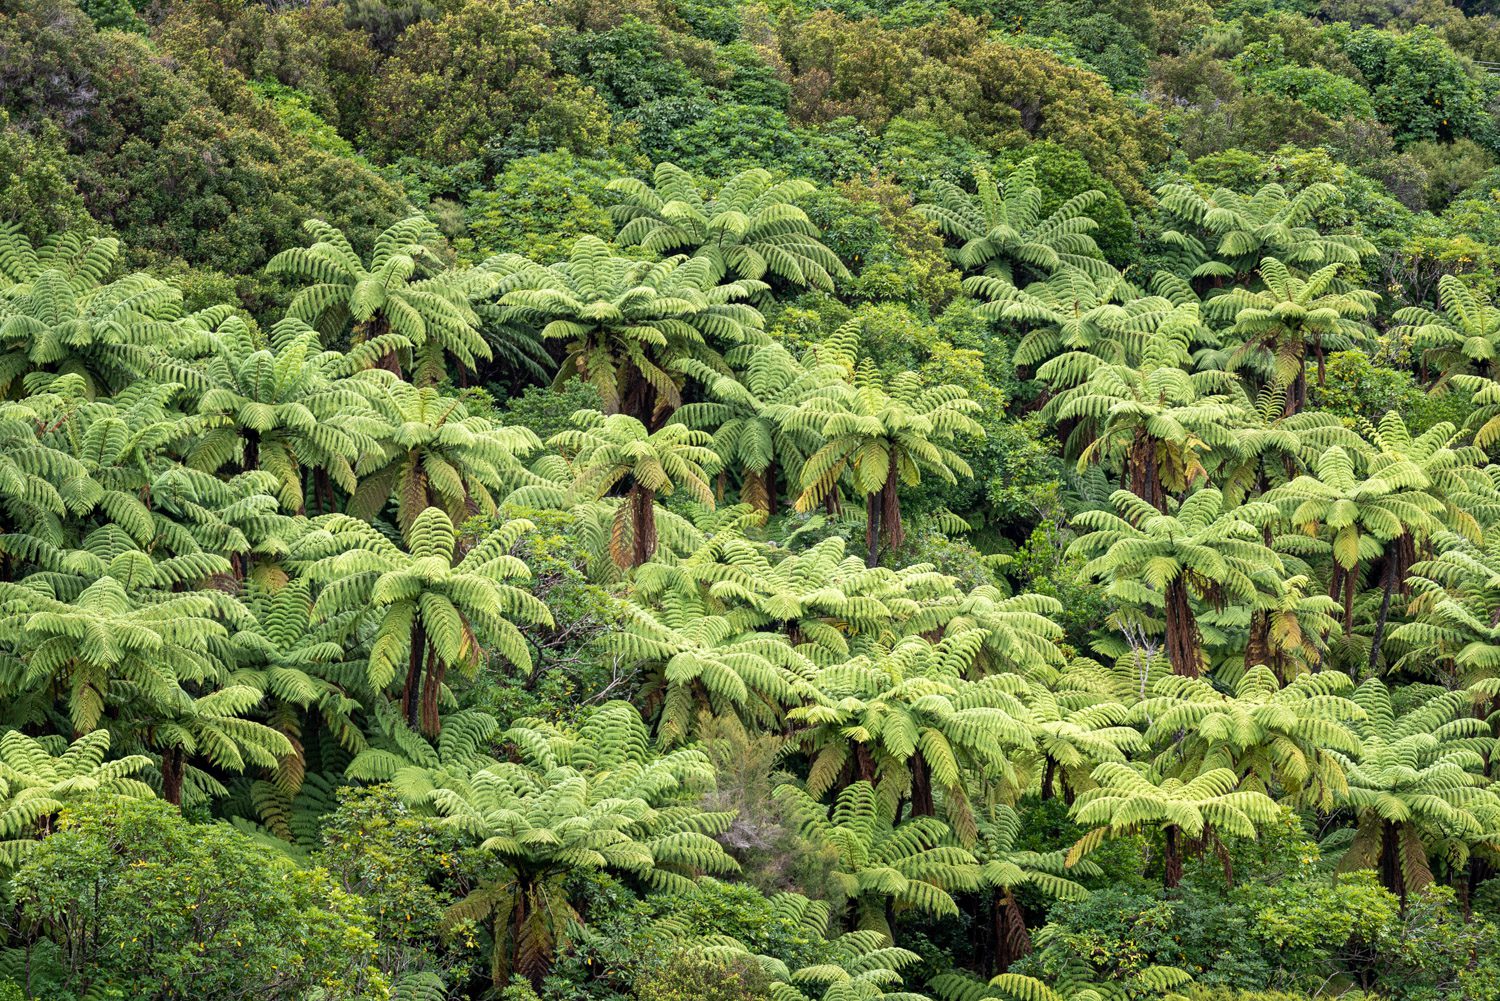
987,934
1478,871
252,451
1258,649
872,529
890,509
921,788
323,490
372,328
410,701
1172,857
1144,477
639,399
1385,610
432,689
1012,937
173,766
1182,632
642,524
519,917
1296,397
1049,773
1351,581
1391,873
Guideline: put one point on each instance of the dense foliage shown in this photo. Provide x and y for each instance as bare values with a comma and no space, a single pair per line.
813,501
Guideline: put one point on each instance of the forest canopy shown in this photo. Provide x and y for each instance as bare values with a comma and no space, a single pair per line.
812,500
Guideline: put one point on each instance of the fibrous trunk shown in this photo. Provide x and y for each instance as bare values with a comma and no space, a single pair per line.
172,767
1011,938
252,450
883,515
1258,649
1296,397
432,687
1392,874
921,787
410,700
642,524
1182,631
1145,477
639,399
1351,581
1172,857
890,509
1387,587
1399,557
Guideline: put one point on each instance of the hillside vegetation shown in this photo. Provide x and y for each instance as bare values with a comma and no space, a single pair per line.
816,500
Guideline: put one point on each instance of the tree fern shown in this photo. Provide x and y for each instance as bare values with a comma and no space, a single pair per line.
434,609
750,226
552,814
1226,234
402,299
1002,229
914,864
606,452
630,325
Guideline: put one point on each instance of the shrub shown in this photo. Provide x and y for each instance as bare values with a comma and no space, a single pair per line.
480,76
152,905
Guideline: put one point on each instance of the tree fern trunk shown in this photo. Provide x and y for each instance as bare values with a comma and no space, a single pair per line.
921,788
432,688
1144,476
252,451
377,326
872,529
1015,941
1257,650
984,935
1385,610
1182,631
890,508
1391,873
1477,872
638,398
323,490
1296,397
1135,472
409,692
172,768
642,524
1049,774
1351,581
1172,857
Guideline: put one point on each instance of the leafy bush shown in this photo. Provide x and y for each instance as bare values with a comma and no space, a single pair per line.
148,904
